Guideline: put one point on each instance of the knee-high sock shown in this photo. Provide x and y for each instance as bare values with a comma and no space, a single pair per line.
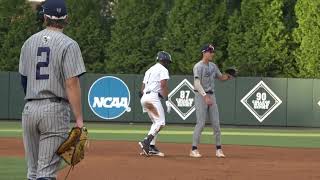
153,142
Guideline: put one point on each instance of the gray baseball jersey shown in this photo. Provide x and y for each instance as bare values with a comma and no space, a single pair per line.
48,59
207,73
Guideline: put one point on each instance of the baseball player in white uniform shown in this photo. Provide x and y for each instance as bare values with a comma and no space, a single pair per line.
154,88
50,66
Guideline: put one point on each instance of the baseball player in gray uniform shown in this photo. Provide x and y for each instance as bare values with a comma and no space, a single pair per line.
204,73
50,66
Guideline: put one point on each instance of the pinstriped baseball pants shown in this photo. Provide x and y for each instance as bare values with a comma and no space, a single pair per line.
45,126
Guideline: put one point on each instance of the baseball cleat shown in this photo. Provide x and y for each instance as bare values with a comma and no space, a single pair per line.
195,153
161,154
142,154
219,153
145,147
154,151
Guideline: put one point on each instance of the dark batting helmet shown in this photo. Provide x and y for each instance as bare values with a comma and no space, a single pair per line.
163,56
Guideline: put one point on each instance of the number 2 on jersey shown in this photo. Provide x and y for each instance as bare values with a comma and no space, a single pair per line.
41,50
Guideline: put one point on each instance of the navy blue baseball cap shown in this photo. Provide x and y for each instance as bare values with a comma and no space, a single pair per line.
55,9
207,48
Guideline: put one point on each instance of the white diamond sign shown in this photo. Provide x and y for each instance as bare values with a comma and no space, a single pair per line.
182,99
261,101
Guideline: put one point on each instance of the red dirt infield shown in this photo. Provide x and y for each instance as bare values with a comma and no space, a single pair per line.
120,160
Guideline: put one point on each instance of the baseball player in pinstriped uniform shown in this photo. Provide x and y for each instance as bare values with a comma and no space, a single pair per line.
50,66
204,73
153,89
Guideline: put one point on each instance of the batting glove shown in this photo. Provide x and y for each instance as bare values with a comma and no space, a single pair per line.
168,106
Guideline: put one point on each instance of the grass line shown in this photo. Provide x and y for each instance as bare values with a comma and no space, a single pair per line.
172,132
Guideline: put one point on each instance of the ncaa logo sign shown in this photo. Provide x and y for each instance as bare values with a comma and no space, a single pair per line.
109,97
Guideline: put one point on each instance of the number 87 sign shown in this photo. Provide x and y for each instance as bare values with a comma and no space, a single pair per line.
182,99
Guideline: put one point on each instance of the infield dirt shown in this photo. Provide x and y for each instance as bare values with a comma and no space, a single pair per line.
120,160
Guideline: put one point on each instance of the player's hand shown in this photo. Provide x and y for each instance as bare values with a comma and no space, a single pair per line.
230,77
79,123
168,106
208,100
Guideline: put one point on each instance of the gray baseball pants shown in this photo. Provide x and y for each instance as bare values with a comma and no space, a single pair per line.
203,113
45,126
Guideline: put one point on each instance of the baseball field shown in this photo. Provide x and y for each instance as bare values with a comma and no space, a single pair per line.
253,153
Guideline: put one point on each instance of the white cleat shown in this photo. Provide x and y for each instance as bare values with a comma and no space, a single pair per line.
195,153
219,153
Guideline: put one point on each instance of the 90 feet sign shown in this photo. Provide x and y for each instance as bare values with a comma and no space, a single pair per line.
261,101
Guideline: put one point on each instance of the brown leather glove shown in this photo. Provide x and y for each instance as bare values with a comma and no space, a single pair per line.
72,149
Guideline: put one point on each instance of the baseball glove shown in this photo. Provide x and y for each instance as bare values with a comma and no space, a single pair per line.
232,71
72,149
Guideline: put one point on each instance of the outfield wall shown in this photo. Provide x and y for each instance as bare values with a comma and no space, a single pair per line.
242,101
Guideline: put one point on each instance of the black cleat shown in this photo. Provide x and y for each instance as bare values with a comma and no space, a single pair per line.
154,151
145,147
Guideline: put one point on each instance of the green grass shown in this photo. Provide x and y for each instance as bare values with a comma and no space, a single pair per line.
270,136
12,168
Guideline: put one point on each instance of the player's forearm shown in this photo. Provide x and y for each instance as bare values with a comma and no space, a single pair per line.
142,88
164,88
74,97
165,92
198,87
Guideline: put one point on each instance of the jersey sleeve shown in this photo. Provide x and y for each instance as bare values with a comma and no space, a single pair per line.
22,62
196,72
73,64
217,71
164,74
